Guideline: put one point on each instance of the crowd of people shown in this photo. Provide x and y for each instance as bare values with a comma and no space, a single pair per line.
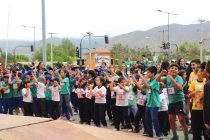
137,96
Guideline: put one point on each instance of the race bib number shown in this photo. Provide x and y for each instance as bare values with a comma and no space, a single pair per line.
62,84
80,95
141,102
97,96
15,86
170,90
73,90
120,96
130,97
7,91
149,91
199,88
88,95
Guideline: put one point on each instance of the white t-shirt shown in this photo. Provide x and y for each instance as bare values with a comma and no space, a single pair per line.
87,93
141,99
121,96
164,91
40,90
28,98
55,93
80,92
99,99
163,103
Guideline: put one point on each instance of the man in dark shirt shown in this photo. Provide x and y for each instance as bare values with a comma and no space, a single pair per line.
206,102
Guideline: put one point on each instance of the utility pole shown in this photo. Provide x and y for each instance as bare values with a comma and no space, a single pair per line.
51,50
90,47
43,32
201,21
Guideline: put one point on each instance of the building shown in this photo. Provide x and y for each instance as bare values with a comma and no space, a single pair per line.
98,56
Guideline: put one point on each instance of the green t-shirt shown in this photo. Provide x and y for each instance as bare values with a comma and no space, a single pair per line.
128,64
15,89
146,62
7,93
48,94
65,86
33,89
174,95
131,97
152,94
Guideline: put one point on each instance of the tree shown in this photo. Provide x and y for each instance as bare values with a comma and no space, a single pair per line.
64,52
121,52
21,58
189,51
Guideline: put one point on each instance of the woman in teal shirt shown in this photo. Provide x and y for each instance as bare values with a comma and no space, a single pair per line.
63,76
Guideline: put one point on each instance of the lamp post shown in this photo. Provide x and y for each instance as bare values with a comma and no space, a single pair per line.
51,50
43,31
201,38
34,29
168,21
106,38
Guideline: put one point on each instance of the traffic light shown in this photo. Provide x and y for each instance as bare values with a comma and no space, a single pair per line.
32,48
77,51
106,39
168,45
164,45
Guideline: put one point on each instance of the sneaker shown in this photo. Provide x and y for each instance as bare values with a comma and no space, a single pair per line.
174,138
130,130
115,129
160,137
75,113
135,131
72,119
166,137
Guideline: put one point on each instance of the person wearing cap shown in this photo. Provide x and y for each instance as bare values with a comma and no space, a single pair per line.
54,88
48,96
40,83
17,94
7,95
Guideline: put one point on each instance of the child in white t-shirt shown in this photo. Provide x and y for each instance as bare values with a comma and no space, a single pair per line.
100,101
27,99
80,92
55,89
121,103
41,105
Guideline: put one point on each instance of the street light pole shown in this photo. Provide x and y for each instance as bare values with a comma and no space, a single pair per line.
34,29
89,33
43,32
201,38
168,21
51,50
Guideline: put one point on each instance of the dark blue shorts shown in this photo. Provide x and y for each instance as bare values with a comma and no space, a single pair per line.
18,102
177,108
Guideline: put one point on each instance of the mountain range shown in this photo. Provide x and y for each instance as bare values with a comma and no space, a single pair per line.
151,38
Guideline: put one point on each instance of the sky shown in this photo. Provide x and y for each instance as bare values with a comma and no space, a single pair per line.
73,18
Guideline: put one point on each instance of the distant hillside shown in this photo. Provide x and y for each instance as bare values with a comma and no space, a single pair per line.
136,39
153,37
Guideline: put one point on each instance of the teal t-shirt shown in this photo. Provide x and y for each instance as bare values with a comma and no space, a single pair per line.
128,64
152,94
131,96
7,93
16,93
65,87
174,95
146,62
33,89
48,94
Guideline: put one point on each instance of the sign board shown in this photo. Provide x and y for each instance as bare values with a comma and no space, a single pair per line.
100,59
